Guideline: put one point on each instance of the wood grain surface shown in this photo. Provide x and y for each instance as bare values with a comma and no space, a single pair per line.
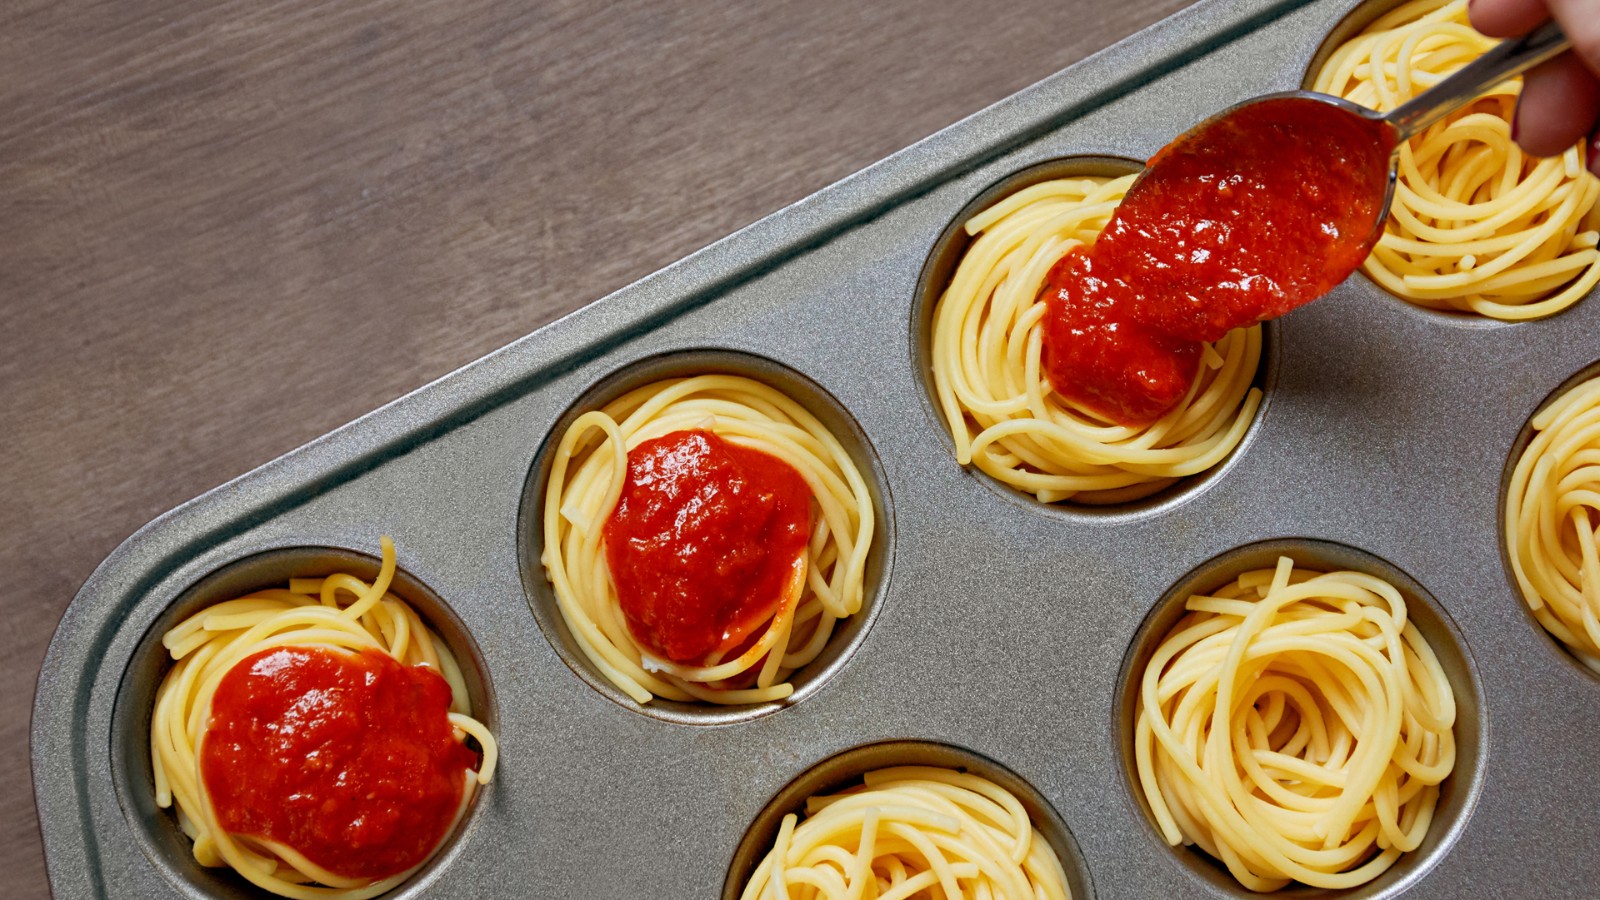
227,227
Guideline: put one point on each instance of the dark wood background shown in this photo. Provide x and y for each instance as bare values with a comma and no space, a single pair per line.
227,227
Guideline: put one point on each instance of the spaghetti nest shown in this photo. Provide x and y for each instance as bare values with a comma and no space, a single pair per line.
339,612
1552,507
987,344
911,831
1295,726
1476,226
588,471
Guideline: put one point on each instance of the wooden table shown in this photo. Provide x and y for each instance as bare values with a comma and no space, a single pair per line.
227,227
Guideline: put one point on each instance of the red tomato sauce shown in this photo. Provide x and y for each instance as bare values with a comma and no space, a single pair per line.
702,542
347,758
1239,221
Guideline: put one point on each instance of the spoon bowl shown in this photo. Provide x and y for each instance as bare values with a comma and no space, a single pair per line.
1267,205
1506,60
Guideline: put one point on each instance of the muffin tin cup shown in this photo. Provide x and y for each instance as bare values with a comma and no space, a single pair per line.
1457,795
848,634
1520,446
156,830
844,770
1359,17
935,277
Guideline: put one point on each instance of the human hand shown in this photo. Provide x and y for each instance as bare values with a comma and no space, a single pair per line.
1560,99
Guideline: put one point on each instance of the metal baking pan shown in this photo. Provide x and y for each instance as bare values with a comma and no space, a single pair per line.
998,633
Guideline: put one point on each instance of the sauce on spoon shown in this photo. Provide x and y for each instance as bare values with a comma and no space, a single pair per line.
1241,219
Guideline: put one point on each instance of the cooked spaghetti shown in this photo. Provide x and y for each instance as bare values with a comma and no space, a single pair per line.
347,627
1295,726
589,471
1553,521
1477,226
911,832
1003,416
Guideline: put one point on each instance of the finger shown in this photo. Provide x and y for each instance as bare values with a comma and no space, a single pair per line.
1580,19
1504,18
1560,103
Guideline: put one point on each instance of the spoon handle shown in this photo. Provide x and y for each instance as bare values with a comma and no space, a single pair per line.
1507,60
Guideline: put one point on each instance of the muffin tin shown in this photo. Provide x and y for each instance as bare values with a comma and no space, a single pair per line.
999,635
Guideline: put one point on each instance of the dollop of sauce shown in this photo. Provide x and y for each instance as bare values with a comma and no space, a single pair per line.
1100,358
1238,221
702,542
347,758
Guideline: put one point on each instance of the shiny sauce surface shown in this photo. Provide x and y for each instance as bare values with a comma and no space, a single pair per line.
1236,222
702,542
347,758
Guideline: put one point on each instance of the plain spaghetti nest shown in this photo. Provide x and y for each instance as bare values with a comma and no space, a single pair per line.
911,832
315,738
1552,507
1295,726
735,525
987,349
1476,226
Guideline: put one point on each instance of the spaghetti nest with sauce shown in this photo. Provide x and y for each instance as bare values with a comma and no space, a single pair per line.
314,737
704,536
989,374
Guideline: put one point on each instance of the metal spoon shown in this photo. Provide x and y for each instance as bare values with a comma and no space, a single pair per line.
1507,59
